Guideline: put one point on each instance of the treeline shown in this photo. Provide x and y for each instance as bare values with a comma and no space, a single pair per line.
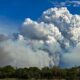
44,73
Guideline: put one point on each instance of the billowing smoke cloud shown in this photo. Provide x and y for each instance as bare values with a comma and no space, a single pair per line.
18,54
51,40
71,58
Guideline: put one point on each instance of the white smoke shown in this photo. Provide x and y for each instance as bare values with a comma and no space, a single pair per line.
21,55
71,58
49,41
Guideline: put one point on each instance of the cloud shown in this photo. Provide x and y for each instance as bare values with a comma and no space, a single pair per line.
39,30
60,29
71,58
5,57
74,3
3,37
67,23
49,41
20,55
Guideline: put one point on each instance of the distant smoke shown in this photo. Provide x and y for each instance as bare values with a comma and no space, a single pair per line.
51,40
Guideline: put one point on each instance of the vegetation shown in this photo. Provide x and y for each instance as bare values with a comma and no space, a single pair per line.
44,73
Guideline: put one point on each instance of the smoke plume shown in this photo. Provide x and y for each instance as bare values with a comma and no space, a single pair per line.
51,40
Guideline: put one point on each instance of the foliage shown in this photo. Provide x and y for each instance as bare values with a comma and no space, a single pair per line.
44,73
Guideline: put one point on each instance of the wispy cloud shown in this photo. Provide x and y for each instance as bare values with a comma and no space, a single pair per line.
74,3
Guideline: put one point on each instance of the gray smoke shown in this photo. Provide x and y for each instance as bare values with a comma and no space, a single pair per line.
51,40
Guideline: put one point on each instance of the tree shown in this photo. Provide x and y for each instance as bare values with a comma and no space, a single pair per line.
72,73
7,71
46,73
21,73
56,71
34,72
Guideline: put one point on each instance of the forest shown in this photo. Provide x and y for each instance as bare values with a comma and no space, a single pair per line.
43,73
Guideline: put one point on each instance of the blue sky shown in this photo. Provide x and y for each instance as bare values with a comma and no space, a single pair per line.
18,10
14,12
